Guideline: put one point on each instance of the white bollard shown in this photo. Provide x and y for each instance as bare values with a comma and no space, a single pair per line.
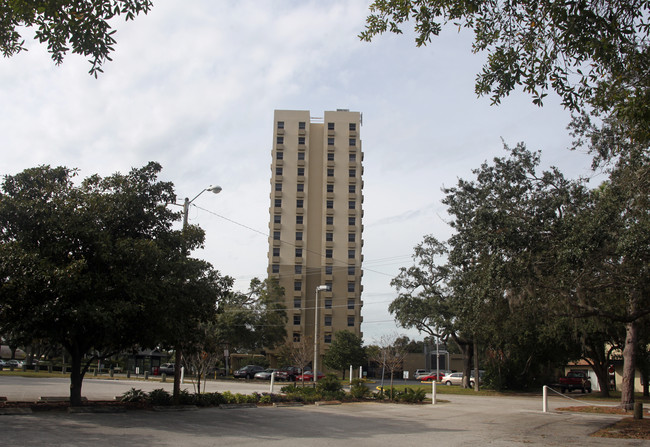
350,374
433,392
182,373
361,372
272,382
545,399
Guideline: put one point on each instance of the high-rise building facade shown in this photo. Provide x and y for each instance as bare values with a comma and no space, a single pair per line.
316,221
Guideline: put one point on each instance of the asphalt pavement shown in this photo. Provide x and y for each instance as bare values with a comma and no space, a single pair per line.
460,421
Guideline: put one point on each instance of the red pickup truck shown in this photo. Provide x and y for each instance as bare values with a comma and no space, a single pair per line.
575,380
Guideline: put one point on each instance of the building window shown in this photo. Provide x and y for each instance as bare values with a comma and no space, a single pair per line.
299,203
275,268
301,155
279,155
330,172
298,235
276,235
330,141
296,337
352,221
353,141
278,171
350,321
328,303
350,304
299,220
330,187
328,320
279,140
351,254
297,286
330,204
328,252
298,252
352,204
278,203
280,124
350,287
300,187
353,157
301,140
278,186
276,251
330,156
353,173
328,269
301,125
296,320
277,218
329,220
297,303
328,284
353,127
352,237
329,237
330,126
352,189
301,172
328,338
298,269
351,270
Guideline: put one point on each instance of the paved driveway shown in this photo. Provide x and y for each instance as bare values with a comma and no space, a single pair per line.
463,421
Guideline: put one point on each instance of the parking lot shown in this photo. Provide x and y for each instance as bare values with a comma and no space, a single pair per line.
462,420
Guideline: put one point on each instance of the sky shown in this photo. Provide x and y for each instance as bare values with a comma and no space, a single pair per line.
193,86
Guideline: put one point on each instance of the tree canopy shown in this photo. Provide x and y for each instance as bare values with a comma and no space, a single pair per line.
346,349
589,52
82,26
96,266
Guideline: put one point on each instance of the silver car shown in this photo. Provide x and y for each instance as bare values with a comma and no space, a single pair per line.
453,379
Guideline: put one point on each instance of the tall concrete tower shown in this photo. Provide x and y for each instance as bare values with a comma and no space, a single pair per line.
316,221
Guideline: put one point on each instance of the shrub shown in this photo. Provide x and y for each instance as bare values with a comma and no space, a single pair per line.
210,399
329,384
411,395
228,397
266,399
160,397
134,395
185,398
359,390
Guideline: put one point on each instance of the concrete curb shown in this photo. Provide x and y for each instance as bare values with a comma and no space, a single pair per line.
176,408
14,411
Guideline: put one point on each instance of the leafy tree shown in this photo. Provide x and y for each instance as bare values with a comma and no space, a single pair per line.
299,353
346,349
80,25
588,52
96,267
252,321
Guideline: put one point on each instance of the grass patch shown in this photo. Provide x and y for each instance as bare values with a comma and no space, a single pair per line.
628,428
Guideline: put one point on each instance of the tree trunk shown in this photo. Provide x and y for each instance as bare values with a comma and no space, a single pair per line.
178,357
467,362
477,377
76,378
629,365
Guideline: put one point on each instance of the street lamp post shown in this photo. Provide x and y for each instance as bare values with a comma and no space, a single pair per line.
178,358
315,371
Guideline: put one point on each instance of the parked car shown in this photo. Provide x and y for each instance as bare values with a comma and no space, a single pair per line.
247,372
265,375
431,377
13,363
166,368
2,363
308,376
288,373
453,379
575,380
419,373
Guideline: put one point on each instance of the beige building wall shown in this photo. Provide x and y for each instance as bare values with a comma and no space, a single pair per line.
316,220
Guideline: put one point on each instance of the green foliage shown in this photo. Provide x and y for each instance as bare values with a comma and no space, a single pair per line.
210,399
82,26
160,397
96,266
411,395
590,53
359,390
134,395
346,349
